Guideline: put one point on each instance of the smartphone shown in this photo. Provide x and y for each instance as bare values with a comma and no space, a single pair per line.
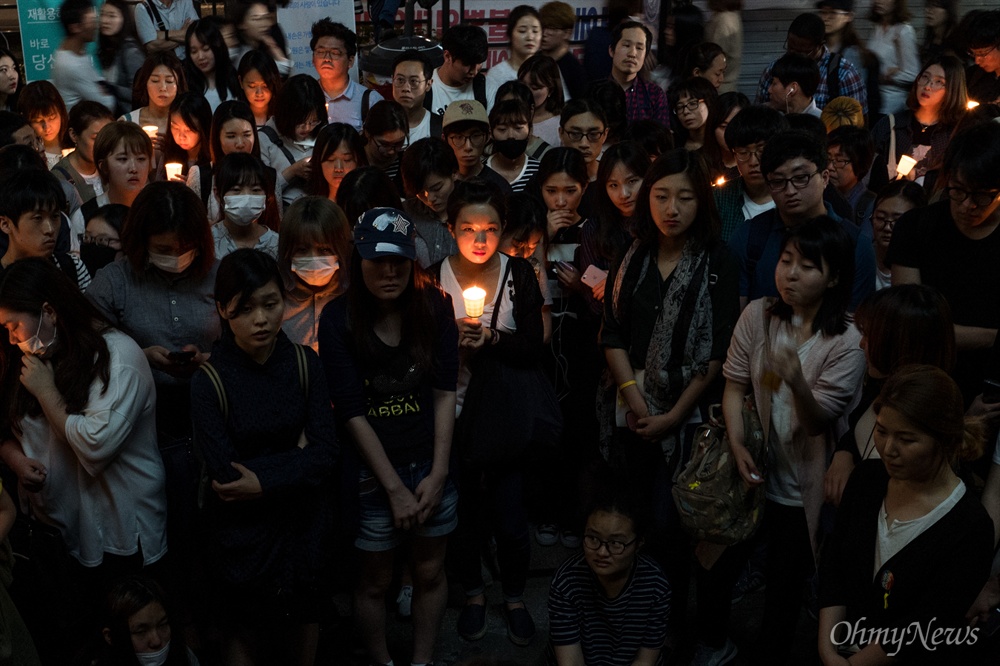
593,276
181,357
991,390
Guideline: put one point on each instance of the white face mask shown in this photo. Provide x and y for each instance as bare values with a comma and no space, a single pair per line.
315,271
244,209
157,658
34,345
171,264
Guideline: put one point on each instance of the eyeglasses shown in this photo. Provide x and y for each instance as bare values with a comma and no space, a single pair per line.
591,542
798,182
103,241
477,139
402,82
927,81
979,199
744,154
839,162
329,54
976,54
593,136
690,105
390,148
885,220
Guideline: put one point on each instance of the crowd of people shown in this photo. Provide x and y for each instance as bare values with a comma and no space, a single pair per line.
274,336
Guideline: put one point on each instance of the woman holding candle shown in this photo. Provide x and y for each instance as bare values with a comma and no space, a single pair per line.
187,144
936,103
478,274
157,84
390,350
43,106
287,139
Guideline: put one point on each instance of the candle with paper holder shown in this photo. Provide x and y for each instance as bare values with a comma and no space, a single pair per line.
475,301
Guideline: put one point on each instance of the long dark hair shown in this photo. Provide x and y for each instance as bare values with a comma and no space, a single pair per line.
956,96
823,241
226,84
140,91
365,188
195,111
227,111
612,227
264,64
241,170
80,355
706,227
108,46
419,326
163,207
327,142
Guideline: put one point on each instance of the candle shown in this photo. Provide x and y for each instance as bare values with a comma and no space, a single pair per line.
174,169
150,130
971,104
67,151
905,166
720,181
475,299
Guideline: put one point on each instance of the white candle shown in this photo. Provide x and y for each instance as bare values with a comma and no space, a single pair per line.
905,166
174,169
971,104
150,130
67,151
475,299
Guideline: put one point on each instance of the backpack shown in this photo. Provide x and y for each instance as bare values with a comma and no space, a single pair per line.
272,134
478,93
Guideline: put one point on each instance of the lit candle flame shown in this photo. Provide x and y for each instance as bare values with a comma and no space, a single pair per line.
720,181
971,105
475,300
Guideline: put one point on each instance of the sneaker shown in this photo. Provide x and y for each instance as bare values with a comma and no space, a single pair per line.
707,656
547,535
750,581
520,626
404,602
568,539
472,622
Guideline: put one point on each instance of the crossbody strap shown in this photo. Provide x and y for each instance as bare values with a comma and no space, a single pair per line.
220,390
499,297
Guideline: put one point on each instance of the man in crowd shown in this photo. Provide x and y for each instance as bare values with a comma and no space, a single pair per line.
334,47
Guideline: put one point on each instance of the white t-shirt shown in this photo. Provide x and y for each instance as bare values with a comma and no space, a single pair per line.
77,79
443,94
547,131
94,180
423,128
500,73
752,210
893,537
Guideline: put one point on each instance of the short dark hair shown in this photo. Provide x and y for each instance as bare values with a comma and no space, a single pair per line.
808,26
519,13
230,110
795,68
580,106
616,33
71,12
10,122
562,160
426,157
327,28
610,97
807,122
299,96
907,323
85,112
164,207
16,156
544,70
30,190
821,240
242,169
365,188
975,153
652,135
240,274
509,110
466,43
411,55
476,191
980,29
857,144
515,89
41,97
790,144
386,116
754,124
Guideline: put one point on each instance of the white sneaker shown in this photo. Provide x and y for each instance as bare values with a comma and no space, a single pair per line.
706,656
404,602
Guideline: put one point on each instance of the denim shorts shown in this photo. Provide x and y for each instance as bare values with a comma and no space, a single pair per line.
377,531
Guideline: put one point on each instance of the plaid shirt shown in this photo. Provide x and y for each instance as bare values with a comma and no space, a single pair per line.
852,84
646,101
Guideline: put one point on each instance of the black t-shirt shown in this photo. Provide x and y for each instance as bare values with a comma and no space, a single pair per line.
983,86
965,271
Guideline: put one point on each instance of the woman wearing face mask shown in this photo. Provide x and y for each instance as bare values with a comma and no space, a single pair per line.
234,131
250,214
118,50
101,243
137,627
81,411
314,249
287,140
207,66
510,128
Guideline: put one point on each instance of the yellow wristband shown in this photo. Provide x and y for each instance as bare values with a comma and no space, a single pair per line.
625,385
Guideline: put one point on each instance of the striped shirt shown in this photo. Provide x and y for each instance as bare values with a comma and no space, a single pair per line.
610,631
528,171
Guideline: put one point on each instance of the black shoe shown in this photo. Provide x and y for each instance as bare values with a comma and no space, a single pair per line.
472,622
520,627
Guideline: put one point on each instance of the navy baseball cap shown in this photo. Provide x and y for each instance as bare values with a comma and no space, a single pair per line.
383,232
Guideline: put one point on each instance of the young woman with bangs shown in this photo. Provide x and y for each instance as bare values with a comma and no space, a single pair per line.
288,138
78,168
339,150
541,74
206,63
42,105
693,102
157,84
250,213
314,254
188,143
935,105
260,83
123,154
510,131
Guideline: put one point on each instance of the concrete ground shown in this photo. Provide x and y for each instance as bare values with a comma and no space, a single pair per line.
339,644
